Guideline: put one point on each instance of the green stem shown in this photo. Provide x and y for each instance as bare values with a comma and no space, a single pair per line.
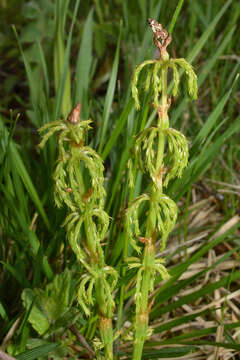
148,261
90,240
105,321
105,326
142,314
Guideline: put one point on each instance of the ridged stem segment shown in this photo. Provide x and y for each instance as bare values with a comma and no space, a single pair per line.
104,311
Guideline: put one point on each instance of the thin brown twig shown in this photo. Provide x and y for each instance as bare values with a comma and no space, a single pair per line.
82,340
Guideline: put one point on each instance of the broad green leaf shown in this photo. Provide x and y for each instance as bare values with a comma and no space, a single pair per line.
55,298
49,304
37,318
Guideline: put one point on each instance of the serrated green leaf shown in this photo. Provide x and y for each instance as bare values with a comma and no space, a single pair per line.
36,317
55,299
49,304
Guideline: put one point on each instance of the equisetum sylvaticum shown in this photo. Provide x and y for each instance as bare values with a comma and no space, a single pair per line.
86,222
162,153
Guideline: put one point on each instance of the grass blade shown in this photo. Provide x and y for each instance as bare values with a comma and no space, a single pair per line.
84,62
203,39
175,16
37,352
26,179
211,121
109,95
64,74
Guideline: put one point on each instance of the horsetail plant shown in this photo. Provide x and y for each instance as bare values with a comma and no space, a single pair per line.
162,153
86,218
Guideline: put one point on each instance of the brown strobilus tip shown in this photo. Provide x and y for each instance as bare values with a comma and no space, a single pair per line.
74,116
161,37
